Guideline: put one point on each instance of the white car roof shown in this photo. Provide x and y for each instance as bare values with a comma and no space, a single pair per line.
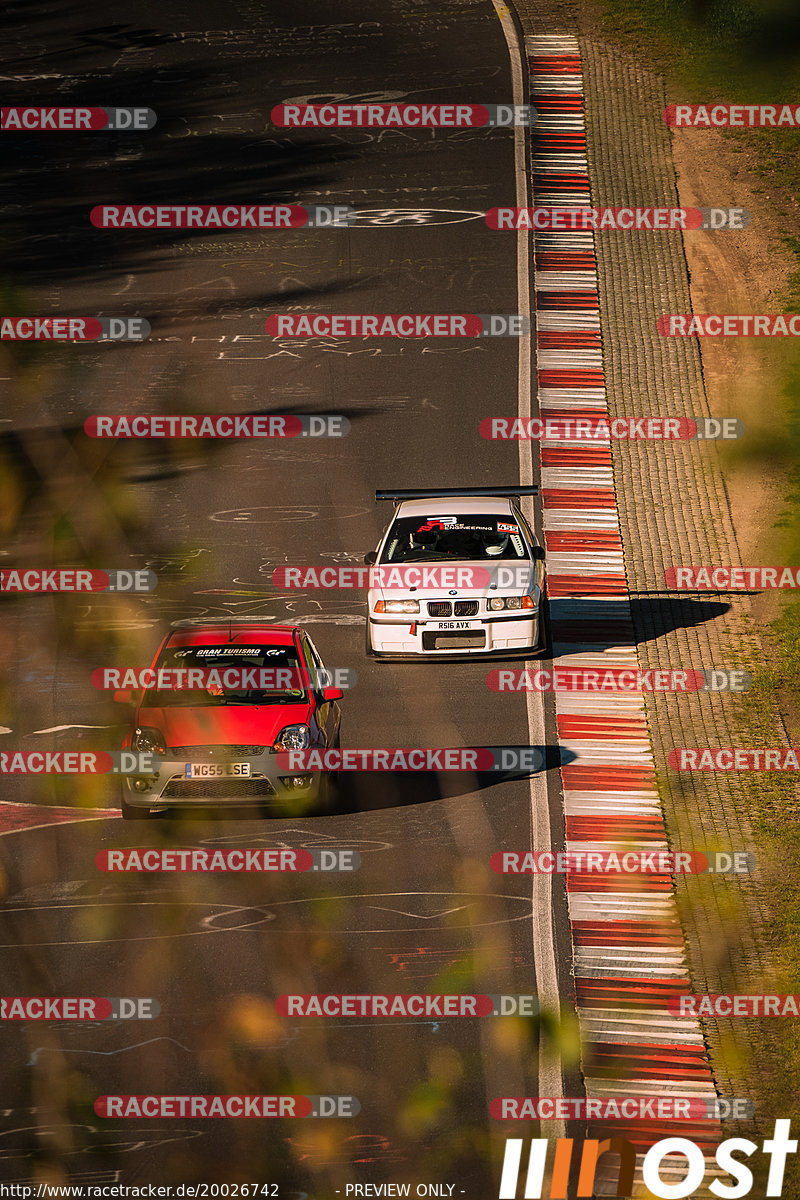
440,506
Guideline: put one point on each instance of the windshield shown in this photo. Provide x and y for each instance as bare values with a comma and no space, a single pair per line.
468,538
202,676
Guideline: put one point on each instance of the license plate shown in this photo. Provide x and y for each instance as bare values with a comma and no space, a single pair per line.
454,625
216,770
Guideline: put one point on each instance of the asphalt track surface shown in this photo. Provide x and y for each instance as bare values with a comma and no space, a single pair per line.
424,913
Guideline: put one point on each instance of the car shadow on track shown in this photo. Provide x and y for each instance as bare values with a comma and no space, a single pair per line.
650,616
368,791
372,791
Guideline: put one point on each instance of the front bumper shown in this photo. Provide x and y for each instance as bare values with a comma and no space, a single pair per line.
480,636
266,784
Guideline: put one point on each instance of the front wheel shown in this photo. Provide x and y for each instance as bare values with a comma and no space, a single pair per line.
329,794
131,813
541,640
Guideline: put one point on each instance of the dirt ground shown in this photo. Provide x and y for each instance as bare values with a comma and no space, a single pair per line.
741,272
737,272
744,271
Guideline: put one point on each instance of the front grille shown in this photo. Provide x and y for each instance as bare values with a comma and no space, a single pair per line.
207,753
440,608
445,639
465,608
217,789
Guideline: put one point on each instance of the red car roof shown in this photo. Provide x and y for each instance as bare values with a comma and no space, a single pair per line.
220,634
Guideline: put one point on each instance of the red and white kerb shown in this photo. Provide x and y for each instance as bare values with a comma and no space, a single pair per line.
628,946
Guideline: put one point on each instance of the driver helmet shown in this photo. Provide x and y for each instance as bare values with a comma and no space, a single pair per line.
424,538
494,544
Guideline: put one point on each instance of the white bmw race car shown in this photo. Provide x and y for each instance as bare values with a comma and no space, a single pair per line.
458,572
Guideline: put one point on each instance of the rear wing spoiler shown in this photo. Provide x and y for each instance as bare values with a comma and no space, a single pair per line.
199,622
442,493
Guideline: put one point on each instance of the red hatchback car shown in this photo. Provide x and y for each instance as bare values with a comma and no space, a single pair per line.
228,698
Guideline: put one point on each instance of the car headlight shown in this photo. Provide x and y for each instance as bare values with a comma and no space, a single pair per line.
149,740
497,603
397,606
293,737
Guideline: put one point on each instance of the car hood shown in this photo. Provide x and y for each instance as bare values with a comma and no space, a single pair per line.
256,725
481,573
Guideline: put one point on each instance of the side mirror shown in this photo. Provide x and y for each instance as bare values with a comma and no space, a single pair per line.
371,557
123,696
331,694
